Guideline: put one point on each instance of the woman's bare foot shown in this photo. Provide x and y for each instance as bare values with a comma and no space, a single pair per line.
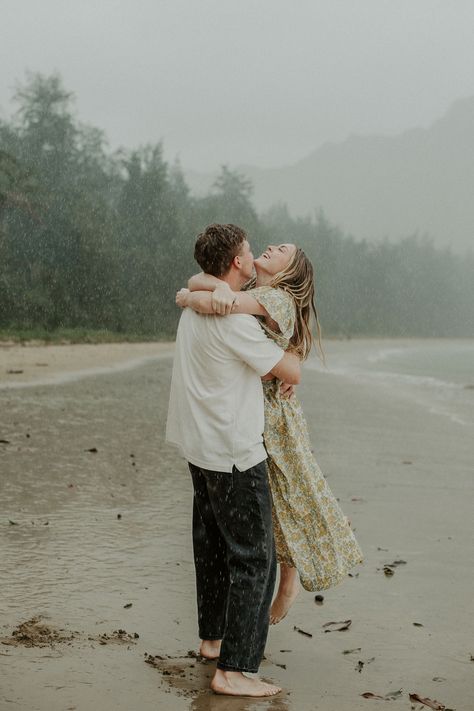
210,648
236,684
287,592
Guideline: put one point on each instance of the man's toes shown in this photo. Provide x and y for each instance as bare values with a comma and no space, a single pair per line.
272,690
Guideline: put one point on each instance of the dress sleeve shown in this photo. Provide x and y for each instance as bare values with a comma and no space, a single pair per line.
280,307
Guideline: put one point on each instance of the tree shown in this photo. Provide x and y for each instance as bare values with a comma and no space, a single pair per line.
229,201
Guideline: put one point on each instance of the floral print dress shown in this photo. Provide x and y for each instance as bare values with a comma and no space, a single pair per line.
311,532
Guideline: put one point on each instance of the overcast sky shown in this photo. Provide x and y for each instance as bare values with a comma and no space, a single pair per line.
249,81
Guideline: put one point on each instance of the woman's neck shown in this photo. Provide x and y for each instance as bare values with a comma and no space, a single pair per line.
263,279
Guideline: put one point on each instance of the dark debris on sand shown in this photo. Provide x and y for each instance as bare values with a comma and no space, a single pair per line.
120,636
181,673
34,633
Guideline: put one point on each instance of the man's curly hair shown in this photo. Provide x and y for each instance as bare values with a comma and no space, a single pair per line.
217,246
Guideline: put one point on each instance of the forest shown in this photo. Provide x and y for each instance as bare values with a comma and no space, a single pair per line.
94,243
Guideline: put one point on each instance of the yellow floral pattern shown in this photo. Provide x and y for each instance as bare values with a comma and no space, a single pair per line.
311,532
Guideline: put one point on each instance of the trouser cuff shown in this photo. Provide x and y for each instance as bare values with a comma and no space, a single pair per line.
210,637
228,667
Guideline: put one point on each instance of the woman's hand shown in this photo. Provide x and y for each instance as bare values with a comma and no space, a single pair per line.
287,391
182,298
223,299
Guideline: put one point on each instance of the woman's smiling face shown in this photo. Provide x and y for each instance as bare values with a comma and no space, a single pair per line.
275,258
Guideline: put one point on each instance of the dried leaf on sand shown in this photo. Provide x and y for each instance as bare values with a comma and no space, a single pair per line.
431,703
361,664
389,568
306,634
371,695
391,696
345,624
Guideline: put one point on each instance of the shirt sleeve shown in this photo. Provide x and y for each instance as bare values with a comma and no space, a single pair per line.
279,305
248,342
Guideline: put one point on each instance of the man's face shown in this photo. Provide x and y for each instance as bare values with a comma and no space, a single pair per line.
246,261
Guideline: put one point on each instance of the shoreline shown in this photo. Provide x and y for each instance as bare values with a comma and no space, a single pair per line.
44,362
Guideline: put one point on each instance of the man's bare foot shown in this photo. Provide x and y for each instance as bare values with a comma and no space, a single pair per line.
236,684
287,592
210,648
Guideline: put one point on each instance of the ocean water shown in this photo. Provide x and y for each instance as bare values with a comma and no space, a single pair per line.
436,374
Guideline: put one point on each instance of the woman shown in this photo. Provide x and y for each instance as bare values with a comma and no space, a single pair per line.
314,542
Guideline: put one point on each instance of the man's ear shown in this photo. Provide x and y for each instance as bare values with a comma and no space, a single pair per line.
236,262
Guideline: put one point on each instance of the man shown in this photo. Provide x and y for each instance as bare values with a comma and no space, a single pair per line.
216,418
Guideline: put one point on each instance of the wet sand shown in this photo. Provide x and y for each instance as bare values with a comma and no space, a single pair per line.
95,544
21,365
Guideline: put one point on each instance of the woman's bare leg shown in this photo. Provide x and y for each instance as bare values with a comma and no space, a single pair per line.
288,590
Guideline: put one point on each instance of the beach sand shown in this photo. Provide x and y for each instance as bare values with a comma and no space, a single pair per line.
54,363
95,545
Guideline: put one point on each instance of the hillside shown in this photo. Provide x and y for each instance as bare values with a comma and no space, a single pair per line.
373,187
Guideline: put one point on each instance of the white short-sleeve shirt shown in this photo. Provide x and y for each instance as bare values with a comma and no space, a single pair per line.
215,414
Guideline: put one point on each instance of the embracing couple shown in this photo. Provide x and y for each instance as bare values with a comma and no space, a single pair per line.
259,495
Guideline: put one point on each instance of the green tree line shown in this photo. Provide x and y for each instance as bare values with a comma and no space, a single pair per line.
99,240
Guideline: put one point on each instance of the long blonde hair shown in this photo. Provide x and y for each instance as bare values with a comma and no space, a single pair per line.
297,279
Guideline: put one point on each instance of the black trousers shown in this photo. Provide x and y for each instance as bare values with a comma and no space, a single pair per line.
234,557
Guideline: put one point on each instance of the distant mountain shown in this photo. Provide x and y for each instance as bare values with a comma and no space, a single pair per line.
373,187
